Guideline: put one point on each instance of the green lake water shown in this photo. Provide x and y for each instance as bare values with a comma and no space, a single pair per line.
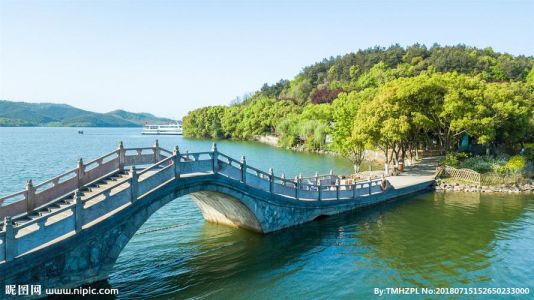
427,240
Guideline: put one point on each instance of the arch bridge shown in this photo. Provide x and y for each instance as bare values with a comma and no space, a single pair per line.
69,230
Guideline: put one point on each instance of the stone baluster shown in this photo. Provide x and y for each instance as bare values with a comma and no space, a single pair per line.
243,165
176,161
271,181
122,156
337,188
30,196
215,157
10,246
78,211
319,193
81,173
297,187
156,151
134,184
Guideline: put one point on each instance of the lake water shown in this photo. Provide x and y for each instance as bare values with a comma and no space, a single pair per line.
427,240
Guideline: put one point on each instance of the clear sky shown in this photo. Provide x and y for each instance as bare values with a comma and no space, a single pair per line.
168,57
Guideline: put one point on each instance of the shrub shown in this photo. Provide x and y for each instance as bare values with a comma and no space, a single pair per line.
451,160
516,164
478,163
454,159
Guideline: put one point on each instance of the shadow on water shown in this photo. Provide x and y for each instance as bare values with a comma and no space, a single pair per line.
444,239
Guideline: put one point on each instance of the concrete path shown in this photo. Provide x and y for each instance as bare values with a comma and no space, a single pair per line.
423,171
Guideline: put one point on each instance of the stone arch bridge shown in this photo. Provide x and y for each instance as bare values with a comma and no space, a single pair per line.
69,230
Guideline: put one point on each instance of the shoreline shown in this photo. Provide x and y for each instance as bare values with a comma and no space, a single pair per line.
526,188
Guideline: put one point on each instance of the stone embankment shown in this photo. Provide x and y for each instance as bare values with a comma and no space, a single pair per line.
517,188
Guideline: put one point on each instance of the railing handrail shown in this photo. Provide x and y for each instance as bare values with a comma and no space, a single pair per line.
320,176
153,166
229,157
11,196
56,178
139,148
108,188
43,217
116,152
300,183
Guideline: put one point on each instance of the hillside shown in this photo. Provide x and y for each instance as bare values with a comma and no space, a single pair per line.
392,99
49,114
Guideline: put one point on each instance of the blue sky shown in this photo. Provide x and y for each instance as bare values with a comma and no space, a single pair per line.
168,57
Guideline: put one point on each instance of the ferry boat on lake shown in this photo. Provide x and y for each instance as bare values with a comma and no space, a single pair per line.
166,129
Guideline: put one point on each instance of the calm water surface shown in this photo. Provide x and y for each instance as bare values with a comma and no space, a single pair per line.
428,240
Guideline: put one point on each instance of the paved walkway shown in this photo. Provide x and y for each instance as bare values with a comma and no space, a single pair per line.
423,171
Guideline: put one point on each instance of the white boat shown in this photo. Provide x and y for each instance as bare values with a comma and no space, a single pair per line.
167,129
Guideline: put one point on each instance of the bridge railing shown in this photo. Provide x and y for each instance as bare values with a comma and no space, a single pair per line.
32,197
17,238
323,187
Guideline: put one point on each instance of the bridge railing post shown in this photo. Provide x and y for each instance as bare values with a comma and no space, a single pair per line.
337,189
122,156
155,148
297,187
10,246
215,158
134,184
354,190
369,181
30,196
243,165
176,161
271,182
80,172
319,193
78,211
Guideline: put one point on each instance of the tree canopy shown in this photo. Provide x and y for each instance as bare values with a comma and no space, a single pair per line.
395,99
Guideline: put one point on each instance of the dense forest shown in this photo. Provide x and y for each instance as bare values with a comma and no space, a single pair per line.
15,114
392,99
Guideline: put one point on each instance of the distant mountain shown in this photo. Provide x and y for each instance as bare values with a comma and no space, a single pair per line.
49,114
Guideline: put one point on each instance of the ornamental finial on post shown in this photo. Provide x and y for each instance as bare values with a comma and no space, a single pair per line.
77,196
176,150
133,172
243,159
121,145
7,222
156,144
80,163
271,171
214,147
29,185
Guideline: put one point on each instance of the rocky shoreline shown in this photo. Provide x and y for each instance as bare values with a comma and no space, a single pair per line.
517,188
